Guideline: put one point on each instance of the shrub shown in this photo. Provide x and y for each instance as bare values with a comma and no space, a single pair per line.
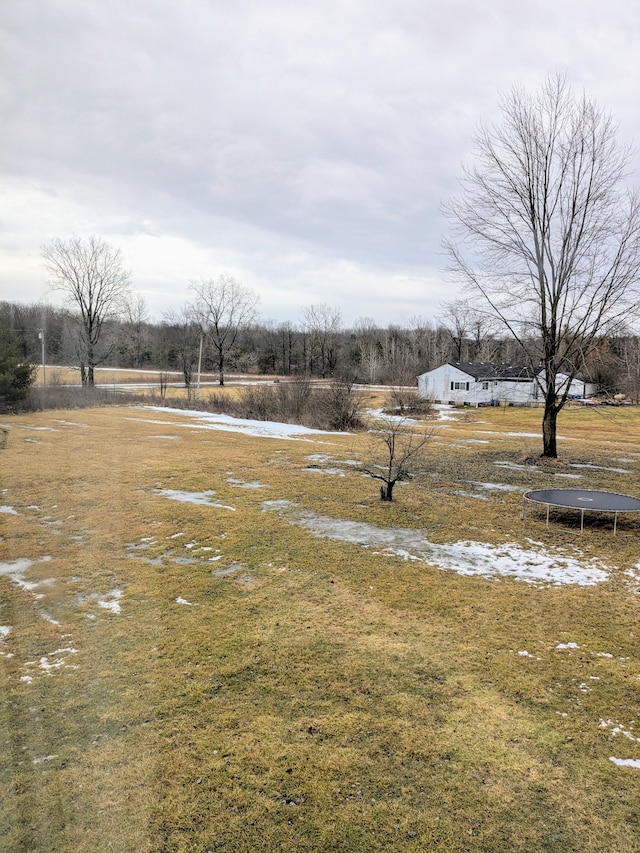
16,375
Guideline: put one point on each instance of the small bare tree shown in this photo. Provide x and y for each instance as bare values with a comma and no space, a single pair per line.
89,273
223,308
547,235
396,454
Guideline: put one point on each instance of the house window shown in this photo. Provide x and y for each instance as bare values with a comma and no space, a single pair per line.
459,386
485,386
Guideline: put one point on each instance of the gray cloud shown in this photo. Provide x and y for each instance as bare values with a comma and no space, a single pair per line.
305,147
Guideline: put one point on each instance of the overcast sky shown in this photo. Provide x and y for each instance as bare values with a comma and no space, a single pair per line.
302,147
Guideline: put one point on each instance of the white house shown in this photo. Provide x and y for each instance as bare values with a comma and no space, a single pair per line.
487,384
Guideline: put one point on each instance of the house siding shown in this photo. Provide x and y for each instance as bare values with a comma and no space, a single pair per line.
450,384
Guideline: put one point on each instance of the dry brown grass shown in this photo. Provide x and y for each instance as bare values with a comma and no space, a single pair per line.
315,695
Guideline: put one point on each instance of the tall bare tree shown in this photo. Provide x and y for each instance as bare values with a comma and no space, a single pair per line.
546,233
223,308
89,273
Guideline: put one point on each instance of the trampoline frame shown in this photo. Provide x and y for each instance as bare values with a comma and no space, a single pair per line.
528,496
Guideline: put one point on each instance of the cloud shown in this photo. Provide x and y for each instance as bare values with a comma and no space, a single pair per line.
304,147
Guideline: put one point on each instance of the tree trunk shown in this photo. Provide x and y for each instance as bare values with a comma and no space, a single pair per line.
386,492
549,431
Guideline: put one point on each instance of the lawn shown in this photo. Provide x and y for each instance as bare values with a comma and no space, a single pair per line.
223,640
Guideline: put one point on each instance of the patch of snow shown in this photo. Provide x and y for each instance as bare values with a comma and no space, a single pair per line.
462,494
37,428
200,498
446,413
8,510
15,571
70,423
242,484
604,655
599,467
43,758
514,466
111,601
337,471
567,646
525,654
570,476
260,429
502,487
617,729
626,762
5,630
392,419
167,437
538,566
48,666
108,601
180,600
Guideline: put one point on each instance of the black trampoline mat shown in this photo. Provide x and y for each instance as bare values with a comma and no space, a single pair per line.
587,499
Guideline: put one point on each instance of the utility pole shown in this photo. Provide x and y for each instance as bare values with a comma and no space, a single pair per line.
41,335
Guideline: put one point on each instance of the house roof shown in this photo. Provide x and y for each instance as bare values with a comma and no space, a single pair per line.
487,370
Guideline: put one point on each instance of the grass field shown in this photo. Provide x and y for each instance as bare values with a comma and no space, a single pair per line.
221,641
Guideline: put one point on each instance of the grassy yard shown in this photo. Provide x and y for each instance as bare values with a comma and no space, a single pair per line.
221,642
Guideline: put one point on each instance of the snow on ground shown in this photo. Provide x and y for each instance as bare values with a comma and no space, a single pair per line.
243,484
599,467
15,570
617,729
5,630
534,565
201,498
626,762
516,466
260,429
8,510
500,487
109,601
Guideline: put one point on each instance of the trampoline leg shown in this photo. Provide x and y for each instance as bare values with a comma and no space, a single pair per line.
615,522
547,515
581,520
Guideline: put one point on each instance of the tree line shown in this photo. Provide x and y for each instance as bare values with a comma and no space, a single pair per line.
317,347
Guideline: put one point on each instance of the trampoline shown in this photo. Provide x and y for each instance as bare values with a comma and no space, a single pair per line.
586,500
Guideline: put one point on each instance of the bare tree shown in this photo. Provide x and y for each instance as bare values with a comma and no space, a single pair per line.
369,348
89,272
182,335
546,234
224,307
323,323
136,318
396,454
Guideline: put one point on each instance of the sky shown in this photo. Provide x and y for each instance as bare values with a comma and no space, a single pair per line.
304,148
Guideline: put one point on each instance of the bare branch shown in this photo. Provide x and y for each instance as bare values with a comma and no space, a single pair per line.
545,234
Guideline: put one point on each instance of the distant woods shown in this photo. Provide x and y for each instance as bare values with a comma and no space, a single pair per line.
317,346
